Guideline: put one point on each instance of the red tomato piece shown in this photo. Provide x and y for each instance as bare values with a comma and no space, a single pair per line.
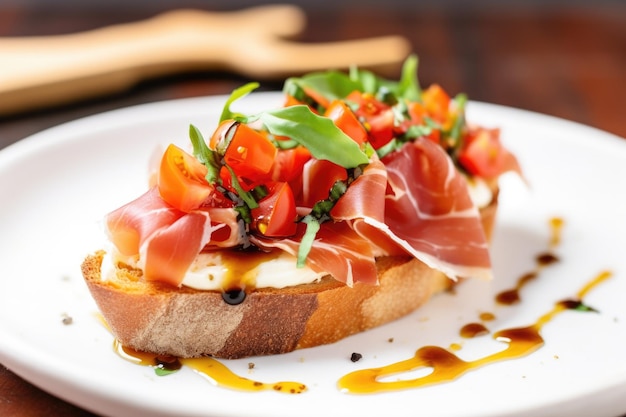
289,162
318,178
248,152
246,185
276,214
483,154
377,117
181,180
437,103
346,120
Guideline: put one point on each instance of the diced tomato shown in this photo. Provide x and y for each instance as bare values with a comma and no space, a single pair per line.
483,154
381,128
246,184
416,111
346,120
376,116
181,180
317,97
319,176
276,214
417,114
291,101
437,103
248,152
289,162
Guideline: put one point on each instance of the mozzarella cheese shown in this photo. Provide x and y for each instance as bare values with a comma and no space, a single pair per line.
218,271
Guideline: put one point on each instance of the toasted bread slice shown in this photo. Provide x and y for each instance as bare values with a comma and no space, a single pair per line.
184,322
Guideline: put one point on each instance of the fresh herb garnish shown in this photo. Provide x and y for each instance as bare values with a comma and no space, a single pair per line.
203,154
318,134
236,95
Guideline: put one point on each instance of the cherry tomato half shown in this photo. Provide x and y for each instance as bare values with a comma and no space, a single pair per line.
276,214
181,180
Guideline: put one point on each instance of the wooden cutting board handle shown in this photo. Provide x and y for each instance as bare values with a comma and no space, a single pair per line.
46,70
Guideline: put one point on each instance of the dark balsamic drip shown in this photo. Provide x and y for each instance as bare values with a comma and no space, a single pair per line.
167,363
234,296
542,260
547,258
574,304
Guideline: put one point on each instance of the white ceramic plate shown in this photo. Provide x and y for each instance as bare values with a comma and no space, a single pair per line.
56,186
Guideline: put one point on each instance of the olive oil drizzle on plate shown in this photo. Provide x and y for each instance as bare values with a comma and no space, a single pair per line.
210,368
445,366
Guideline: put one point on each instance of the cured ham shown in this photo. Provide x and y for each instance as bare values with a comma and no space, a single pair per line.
167,240
337,250
418,203
431,214
130,225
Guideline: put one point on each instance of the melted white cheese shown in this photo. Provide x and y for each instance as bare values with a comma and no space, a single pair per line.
210,271
479,192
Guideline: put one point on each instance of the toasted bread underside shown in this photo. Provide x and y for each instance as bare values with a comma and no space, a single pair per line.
183,322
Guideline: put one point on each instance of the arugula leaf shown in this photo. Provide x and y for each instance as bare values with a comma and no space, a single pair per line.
318,134
237,93
203,154
408,86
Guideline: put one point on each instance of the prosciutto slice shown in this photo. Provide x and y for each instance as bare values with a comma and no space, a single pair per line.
337,250
130,225
430,213
165,239
415,201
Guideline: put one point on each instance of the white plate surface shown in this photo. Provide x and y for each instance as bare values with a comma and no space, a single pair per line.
56,186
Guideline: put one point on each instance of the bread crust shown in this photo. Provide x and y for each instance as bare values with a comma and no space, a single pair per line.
184,322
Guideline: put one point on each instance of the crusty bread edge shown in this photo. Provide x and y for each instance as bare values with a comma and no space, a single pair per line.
184,322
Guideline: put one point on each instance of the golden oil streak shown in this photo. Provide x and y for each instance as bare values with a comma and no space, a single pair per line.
446,366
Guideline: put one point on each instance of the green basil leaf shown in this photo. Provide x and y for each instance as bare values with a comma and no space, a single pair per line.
368,81
331,85
203,154
246,196
236,95
318,134
312,227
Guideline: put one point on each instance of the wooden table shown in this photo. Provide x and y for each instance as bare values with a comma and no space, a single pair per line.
562,60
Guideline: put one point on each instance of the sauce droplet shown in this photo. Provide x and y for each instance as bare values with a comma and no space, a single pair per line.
486,316
556,227
472,330
234,296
